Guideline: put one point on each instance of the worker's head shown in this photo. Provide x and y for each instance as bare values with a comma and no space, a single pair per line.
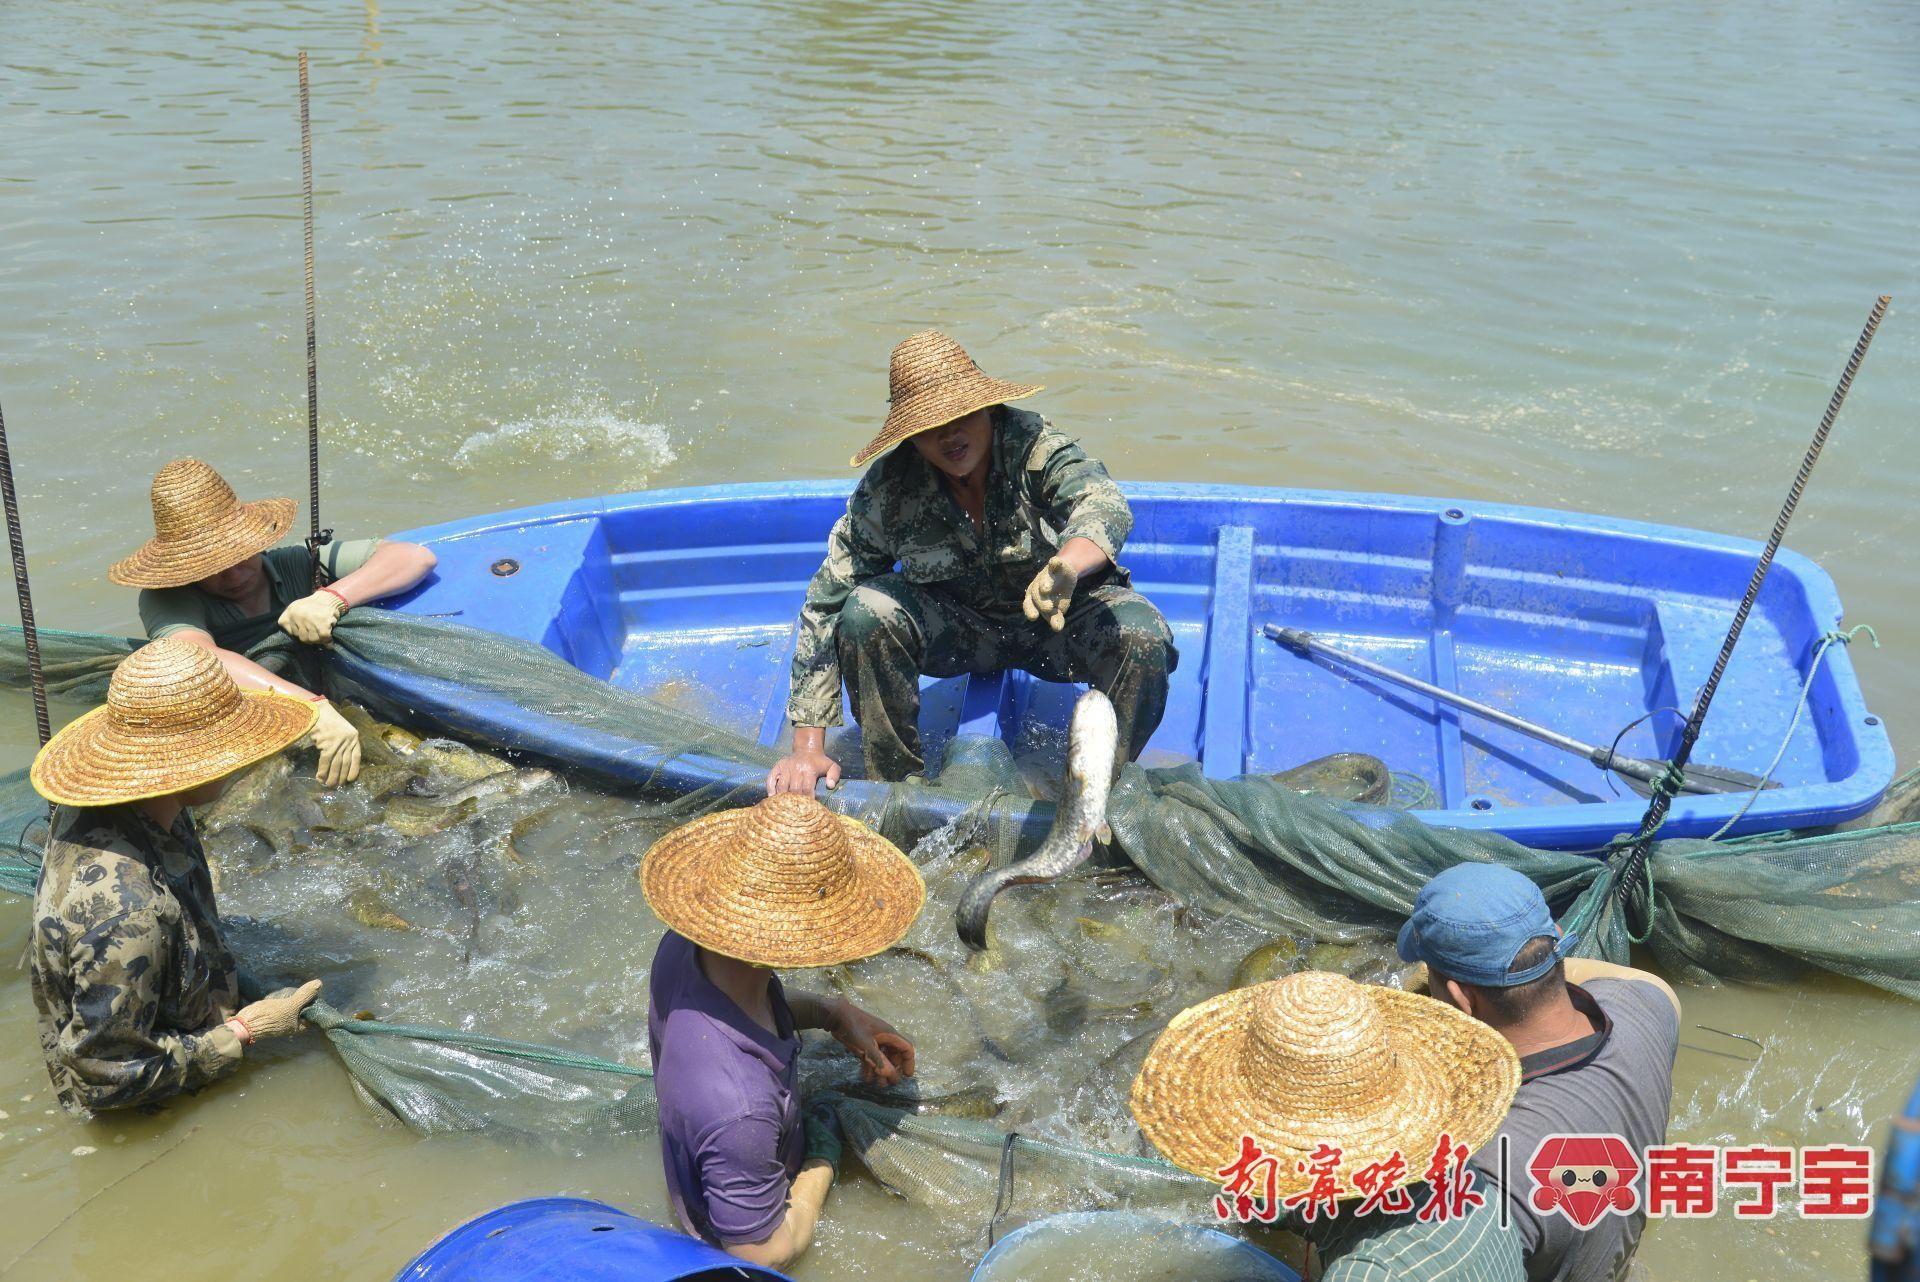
203,534
785,883
1489,943
238,581
174,725
959,447
934,388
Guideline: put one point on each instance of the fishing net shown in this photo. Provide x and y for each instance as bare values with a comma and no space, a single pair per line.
484,942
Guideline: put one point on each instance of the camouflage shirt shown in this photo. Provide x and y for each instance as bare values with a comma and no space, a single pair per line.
1042,490
130,974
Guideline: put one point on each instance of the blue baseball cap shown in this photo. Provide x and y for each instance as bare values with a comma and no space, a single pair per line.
1472,920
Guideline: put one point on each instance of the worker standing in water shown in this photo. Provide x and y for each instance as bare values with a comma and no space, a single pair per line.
786,883
137,992
212,575
1005,534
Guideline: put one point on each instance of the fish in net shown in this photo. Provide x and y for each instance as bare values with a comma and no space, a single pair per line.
478,913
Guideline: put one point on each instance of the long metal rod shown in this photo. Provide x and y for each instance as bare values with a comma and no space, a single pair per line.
1606,759
316,537
1662,801
29,633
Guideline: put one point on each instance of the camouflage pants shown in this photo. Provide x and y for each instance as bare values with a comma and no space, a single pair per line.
891,632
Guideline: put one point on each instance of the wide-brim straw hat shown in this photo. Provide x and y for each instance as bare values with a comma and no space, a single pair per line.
1315,1058
173,720
200,527
931,381
786,883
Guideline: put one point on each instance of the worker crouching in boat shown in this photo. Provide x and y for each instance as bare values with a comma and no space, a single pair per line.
211,575
785,883
134,984
1004,534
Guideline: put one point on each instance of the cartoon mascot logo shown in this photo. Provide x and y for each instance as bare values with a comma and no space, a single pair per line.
1584,1177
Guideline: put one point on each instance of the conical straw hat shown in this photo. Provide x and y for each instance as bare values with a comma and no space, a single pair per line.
786,883
173,720
1315,1058
931,381
200,528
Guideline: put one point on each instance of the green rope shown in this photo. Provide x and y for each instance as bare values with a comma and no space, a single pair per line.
327,1019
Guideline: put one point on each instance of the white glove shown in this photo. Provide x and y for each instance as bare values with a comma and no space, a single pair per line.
277,1014
339,745
311,618
1051,592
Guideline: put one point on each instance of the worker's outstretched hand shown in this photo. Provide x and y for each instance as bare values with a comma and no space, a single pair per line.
339,745
885,1056
311,618
800,771
1051,592
278,1014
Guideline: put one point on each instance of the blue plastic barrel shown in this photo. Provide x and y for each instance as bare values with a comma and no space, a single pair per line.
1894,1238
1126,1244
569,1239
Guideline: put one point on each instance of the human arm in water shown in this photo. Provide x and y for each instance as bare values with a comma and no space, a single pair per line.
885,1056
393,567
794,1234
333,735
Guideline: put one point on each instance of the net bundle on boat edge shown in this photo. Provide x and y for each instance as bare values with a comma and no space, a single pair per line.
1251,852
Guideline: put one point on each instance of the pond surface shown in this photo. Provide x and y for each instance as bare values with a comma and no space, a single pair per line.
1605,257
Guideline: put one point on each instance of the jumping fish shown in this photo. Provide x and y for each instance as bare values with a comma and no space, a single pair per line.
412,814
1078,817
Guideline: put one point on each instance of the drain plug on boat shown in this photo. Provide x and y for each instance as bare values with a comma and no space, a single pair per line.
505,566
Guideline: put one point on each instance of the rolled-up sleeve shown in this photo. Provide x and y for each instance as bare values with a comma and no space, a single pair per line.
111,1042
164,611
1079,498
743,1179
855,552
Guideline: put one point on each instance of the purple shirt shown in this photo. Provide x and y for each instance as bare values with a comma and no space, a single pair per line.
730,1127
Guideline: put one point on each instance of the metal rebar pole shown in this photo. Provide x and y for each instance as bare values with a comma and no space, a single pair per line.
28,631
1636,856
317,537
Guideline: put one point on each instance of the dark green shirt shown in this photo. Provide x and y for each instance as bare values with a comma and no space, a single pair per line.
289,577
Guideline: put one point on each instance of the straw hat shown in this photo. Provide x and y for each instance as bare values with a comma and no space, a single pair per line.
173,720
786,883
931,381
200,528
1316,1058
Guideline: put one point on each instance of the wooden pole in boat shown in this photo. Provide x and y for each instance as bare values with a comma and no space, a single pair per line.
29,633
1633,863
317,538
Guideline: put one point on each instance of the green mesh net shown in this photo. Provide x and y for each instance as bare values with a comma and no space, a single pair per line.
484,941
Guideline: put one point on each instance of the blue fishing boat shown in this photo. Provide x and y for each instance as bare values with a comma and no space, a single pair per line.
1600,628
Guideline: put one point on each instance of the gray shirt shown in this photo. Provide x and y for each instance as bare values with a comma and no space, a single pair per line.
1618,1082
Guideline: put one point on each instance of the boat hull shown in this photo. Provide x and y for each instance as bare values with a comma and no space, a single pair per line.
1582,623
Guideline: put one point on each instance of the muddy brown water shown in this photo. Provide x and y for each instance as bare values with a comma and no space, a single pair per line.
1607,258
